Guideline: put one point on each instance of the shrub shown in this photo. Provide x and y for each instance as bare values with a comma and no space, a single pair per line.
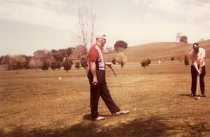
67,64
77,65
114,61
53,66
45,66
145,63
83,61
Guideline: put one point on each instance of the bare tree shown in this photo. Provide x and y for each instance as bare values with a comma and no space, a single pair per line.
87,23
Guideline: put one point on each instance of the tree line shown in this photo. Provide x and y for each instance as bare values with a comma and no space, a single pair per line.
43,59
54,59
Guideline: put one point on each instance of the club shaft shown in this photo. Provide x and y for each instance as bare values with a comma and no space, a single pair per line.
122,89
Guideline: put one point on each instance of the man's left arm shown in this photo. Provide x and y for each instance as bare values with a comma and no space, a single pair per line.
201,61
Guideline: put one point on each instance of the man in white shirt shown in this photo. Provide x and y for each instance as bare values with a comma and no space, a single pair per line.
197,56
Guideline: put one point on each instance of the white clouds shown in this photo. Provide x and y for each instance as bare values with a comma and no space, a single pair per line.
136,2
36,12
141,2
16,38
173,11
135,21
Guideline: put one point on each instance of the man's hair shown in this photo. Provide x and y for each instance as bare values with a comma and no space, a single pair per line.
195,44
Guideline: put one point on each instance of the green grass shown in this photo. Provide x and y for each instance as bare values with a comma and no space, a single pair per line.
39,104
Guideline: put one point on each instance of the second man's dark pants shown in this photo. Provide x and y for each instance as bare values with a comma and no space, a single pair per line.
194,74
102,90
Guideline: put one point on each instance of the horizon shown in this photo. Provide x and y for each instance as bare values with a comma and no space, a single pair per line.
53,24
143,44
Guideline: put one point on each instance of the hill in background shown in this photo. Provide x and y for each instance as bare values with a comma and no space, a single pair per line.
159,51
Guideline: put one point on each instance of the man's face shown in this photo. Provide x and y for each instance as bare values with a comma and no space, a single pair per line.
103,42
98,41
196,48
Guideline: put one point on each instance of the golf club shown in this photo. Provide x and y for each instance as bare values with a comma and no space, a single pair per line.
122,89
197,88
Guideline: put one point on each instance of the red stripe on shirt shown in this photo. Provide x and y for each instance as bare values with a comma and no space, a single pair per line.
92,54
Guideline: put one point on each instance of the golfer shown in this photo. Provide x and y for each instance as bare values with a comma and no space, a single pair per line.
197,56
97,80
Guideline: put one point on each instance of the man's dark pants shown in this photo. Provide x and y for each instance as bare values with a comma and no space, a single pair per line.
102,90
194,74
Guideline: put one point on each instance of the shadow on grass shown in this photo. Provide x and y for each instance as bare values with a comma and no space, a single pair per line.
152,127
88,116
185,95
188,95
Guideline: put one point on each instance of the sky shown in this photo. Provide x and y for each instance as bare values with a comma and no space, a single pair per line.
30,25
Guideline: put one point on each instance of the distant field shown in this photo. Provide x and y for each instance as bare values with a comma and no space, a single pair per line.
38,104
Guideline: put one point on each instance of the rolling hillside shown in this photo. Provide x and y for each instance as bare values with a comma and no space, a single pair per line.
156,51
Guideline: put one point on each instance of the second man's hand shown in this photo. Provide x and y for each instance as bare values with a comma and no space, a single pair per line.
109,64
199,71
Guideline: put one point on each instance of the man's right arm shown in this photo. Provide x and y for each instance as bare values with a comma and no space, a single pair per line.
194,63
92,57
93,71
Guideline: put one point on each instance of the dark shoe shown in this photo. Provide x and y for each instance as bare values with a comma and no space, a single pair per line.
99,118
203,95
122,112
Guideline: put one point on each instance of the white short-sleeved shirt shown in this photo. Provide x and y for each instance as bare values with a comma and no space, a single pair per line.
198,58
101,61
